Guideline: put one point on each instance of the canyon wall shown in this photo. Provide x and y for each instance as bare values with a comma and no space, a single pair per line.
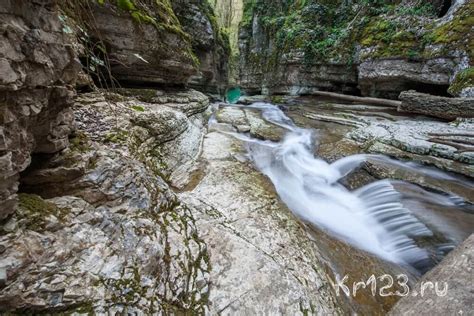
119,43
153,42
38,68
375,48
89,223
209,42
229,13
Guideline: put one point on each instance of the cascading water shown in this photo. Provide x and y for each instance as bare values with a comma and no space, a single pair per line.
371,218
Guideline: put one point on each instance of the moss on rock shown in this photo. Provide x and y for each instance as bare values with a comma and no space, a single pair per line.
464,79
33,211
329,31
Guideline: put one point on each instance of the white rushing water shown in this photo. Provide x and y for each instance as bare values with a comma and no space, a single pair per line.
371,218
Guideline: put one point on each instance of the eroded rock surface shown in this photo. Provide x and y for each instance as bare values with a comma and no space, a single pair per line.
374,49
112,236
144,43
210,45
116,240
248,120
37,70
385,131
446,108
263,261
354,128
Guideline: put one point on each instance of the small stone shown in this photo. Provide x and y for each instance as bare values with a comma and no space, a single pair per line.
243,128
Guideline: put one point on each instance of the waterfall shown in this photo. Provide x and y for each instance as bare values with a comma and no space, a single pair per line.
371,218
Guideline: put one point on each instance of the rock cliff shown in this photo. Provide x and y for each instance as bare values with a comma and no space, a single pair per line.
118,43
209,42
376,48
229,14
152,42
38,68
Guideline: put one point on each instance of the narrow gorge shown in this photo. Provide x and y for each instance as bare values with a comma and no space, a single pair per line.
247,157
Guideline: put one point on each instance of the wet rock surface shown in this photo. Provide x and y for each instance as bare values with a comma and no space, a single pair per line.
262,259
151,211
111,235
454,271
380,130
248,120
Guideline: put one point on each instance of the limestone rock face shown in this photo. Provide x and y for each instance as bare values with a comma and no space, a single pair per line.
107,226
246,120
263,262
110,235
163,131
115,240
38,68
154,42
209,44
374,50
388,77
144,44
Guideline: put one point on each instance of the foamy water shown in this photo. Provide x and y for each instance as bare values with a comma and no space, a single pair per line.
371,218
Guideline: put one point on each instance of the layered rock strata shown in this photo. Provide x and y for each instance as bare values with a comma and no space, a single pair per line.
38,68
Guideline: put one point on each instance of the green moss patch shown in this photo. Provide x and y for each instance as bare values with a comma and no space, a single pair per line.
79,143
464,79
332,30
33,211
138,108
117,136
457,33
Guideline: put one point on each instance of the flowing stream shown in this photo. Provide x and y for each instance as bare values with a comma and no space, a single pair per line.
372,218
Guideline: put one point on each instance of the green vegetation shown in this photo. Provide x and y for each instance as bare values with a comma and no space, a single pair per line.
144,95
464,79
138,108
457,31
419,9
158,13
334,30
33,211
117,136
249,9
220,34
277,99
79,142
